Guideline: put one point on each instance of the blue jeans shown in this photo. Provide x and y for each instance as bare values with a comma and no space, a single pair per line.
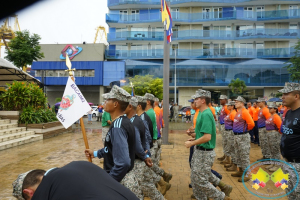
89,117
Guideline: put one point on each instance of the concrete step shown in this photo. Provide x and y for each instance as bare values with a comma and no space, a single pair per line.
4,121
6,126
12,130
15,136
20,141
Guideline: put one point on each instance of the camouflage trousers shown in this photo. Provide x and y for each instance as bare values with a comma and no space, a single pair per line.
293,181
159,142
263,140
104,132
202,177
130,181
155,166
242,150
148,185
229,151
139,170
227,142
222,129
274,138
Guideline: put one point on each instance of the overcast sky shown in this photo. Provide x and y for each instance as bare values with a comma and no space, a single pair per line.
63,21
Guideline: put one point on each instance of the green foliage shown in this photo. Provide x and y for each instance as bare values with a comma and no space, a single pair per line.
146,84
24,49
237,86
57,100
278,95
20,95
293,66
31,115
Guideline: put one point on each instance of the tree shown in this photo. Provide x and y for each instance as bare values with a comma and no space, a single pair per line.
146,84
293,66
24,49
237,85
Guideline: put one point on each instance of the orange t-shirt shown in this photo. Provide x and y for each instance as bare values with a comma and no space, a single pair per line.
255,113
195,117
232,115
188,113
212,110
250,111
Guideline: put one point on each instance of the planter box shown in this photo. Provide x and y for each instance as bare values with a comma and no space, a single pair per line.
12,115
48,130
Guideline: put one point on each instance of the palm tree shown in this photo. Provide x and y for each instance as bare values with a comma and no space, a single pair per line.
237,86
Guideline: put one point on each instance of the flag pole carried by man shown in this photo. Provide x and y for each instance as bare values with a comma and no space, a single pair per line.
73,105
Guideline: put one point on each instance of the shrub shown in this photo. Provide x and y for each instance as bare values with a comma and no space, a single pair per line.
31,115
21,95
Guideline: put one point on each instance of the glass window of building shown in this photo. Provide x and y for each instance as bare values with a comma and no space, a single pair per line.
293,29
260,11
246,49
121,50
206,49
51,73
175,13
135,15
123,15
121,32
218,13
248,12
219,49
206,13
260,29
138,32
294,10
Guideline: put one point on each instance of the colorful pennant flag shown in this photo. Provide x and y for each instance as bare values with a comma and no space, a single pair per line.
166,19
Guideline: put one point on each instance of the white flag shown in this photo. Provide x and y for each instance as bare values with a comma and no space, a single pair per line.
73,105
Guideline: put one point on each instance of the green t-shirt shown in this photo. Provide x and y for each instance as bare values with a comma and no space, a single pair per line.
152,116
206,124
105,117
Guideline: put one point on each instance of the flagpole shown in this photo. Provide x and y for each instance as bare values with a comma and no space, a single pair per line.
68,63
166,75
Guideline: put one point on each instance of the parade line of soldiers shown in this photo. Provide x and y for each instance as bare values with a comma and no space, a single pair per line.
132,148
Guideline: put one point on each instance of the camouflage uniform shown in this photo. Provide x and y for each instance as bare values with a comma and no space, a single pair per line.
155,167
148,185
263,139
273,138
202,177
139,170
159,142
130,181
230,146
228,142
242,150
292,180
104,132
222,130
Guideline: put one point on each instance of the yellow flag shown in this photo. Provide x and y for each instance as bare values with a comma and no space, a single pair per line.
68,62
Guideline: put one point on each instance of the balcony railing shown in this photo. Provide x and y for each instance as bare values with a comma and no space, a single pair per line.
122,2
205,34
202,53
206,16
135,35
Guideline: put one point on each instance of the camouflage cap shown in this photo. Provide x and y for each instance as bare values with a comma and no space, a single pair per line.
149,96
202,93
105,96
193,97
223,96
119,94
241,99
133,101
260,99
156,99
18,184
273,105
290,87
141,99
230,103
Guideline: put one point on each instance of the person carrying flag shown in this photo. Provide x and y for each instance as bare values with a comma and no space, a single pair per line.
119,146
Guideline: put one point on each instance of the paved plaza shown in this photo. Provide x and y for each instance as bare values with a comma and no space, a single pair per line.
62,149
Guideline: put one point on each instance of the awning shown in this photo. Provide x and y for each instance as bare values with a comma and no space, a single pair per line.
10,73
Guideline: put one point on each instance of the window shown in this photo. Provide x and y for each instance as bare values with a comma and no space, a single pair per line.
123,15
206,13
260,11
121,32
219,49
246,49
293,29
175,13
294,11
135,15
218,12
222,31
206,50
248,12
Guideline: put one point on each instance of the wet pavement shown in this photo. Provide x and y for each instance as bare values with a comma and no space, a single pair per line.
62,149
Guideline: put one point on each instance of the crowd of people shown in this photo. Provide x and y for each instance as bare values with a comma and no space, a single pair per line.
131,134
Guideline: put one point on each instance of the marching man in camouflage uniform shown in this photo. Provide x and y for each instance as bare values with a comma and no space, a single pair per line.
204,154
119,146
242,123
223,113
263,115
290,128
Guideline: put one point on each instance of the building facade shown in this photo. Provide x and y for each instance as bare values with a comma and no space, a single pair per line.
93,75
214,41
